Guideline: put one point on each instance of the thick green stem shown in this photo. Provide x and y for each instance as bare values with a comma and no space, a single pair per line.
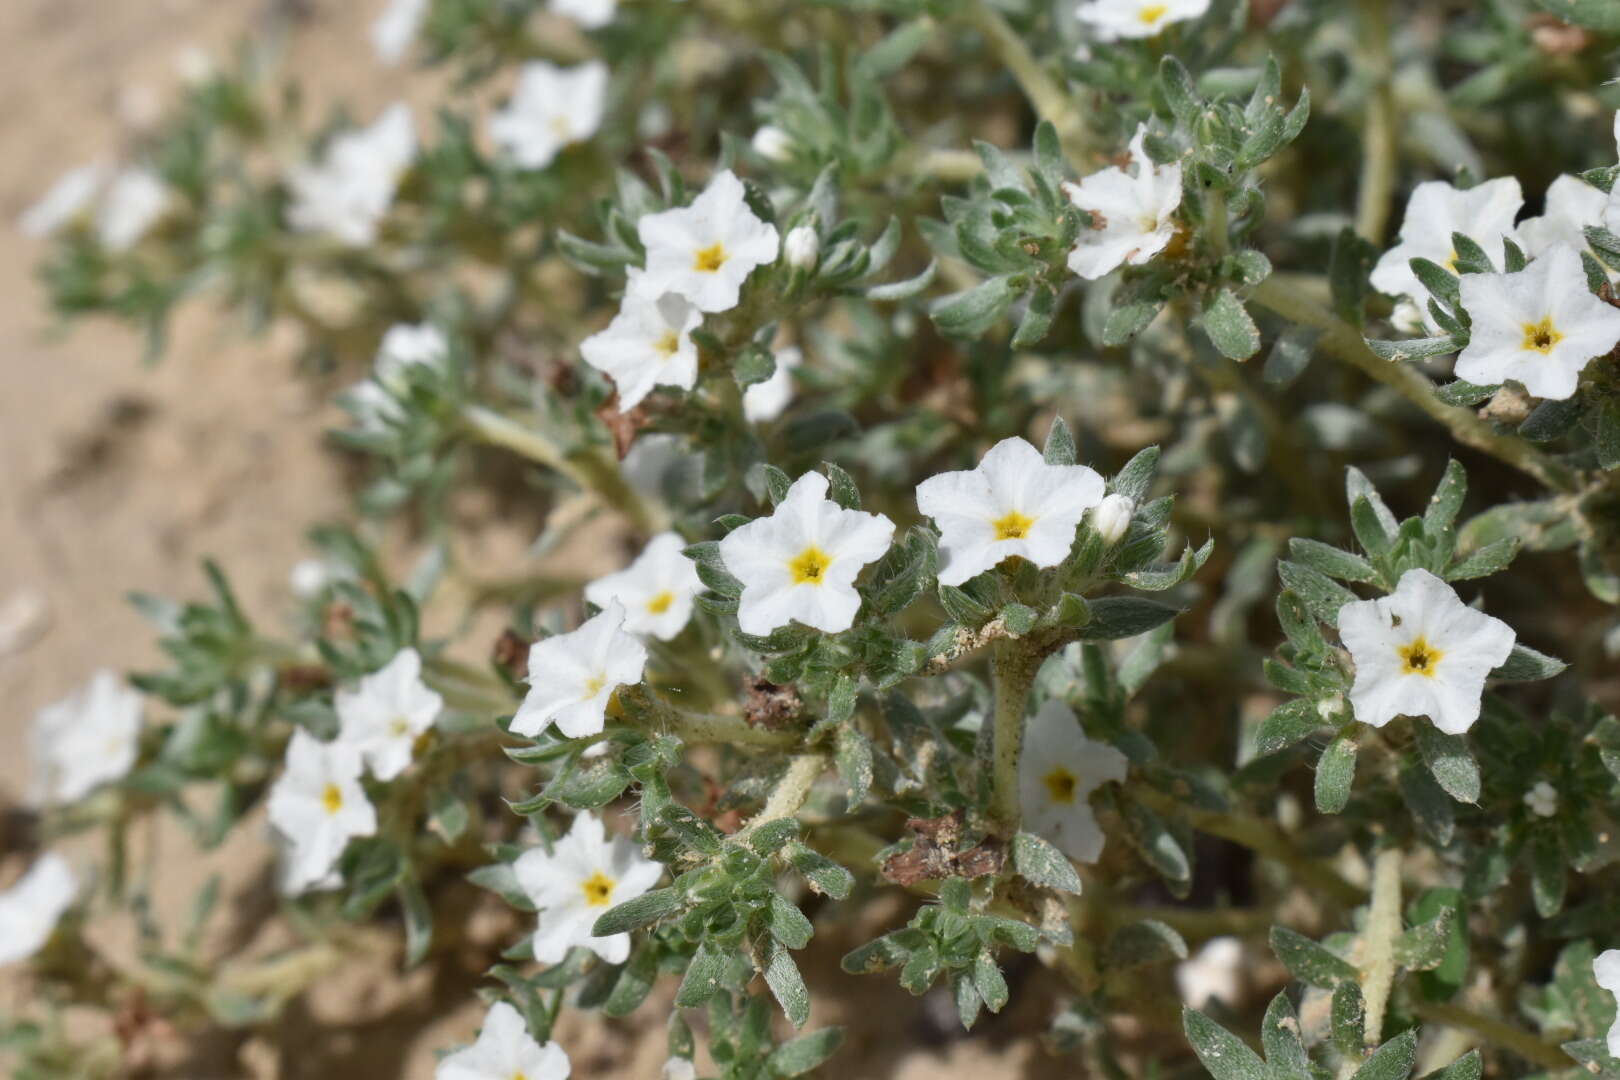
1051,99
1378,941
1344,341
1013,669
1378,130
585,466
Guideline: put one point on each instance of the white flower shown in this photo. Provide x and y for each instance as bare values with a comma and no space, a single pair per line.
1133,217
1110,20
1214,971
505,1051
384,716
131,205
679,1068
1572,205
802,248
588,13
395,29
801,561
773,144
68,199
349,190
707,250
765,401
1538,327
1420,651
1435,211
87,739
583,876
1606,970
572,676
309,577
648,343
405,346
656,590
551,109
1057,772
1542,799
1112,518
317,805
30,909
1013,503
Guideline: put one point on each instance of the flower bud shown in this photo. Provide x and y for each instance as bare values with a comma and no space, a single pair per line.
1112,518
802,248
772,143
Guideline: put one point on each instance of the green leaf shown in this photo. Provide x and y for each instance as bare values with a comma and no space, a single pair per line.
1279,1037
824,875
1413,349
799,1056
1601,15
970,314
418,914
1288,723
1225,1055
787,923
1607,439
1060,448
1488,560
1450,762
1018,618
1309,962
988,981
1037,320
1441,516
854,758
1136,477
1465,393
1468,1067
1331,561
1348,1019
634,983
1115,617
702,978
841,487
787,985
1393,1060
1038,861
1141,943
1321,595
642,911
1335,773
1230,328
1072,611
904,290
1424,947
1525,664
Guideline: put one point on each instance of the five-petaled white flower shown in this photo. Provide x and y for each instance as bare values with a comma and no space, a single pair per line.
656,589
551,109
706,251
583,875
572,676
1572,204
1606,970
133,202
1013,503
648,343
1542,799
505,1051
349,190
67,200
590,14
405,346
30,909
384,716
1111,20
765,401
1420,651
393,31
801,562
1539,327
87,739
1132,217
317,806
1057,772
1435,211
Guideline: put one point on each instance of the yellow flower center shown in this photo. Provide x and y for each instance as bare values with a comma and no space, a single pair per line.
810,566
1012,526
598,889
332,798
400,726
1419,658
562,128
594,684
1541,337
1060,785
1153,13
660,603
710,259
668,345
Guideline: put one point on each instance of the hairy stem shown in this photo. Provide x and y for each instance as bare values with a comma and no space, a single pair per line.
1378,131
1378,941
1013,669
1344,341
791,791
585,466
1051,99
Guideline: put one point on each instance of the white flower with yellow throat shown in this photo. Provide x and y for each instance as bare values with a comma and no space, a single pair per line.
657,589
583,875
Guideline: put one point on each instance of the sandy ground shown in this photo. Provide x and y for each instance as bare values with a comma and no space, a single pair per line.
118,477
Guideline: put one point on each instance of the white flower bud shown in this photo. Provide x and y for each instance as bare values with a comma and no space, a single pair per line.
1542,799
1112,518
802,248
772,143
679,1068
